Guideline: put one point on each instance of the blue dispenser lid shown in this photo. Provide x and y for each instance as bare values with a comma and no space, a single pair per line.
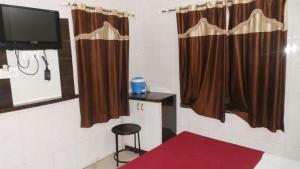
137,79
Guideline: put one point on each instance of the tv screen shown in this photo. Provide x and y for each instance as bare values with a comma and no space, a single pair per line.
29,28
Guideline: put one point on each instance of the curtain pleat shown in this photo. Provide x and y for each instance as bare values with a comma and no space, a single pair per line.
203,55
240,68
102,47
257,65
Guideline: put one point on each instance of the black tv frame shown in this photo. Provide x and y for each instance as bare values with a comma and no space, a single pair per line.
29,45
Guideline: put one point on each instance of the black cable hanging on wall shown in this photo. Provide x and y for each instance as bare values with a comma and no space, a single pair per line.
47,72
20,67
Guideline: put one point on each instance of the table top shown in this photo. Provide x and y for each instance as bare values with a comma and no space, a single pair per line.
151,96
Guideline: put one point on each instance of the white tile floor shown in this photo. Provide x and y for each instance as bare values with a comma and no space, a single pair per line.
109,162
270,161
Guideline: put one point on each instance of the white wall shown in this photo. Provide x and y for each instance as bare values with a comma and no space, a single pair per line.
50,137
42,89
154,55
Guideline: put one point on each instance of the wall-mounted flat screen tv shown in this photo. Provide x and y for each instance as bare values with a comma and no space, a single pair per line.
28,28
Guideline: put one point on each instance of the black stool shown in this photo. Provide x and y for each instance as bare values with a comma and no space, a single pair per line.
126,129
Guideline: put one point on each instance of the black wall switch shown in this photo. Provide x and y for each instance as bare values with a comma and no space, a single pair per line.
47,74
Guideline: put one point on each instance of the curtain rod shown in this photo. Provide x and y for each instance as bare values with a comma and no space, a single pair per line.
105,10
197,5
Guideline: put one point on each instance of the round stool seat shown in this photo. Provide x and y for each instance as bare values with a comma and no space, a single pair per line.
126,129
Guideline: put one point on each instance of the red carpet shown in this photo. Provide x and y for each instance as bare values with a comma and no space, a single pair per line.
191,151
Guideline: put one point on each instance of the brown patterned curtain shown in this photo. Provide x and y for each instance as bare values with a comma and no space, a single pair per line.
257,41
233,54
203,58
102,46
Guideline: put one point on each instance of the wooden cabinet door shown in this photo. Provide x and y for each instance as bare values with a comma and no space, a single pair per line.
148,116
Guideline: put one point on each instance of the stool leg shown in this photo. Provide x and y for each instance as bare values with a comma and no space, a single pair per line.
117,149
139,143
135,140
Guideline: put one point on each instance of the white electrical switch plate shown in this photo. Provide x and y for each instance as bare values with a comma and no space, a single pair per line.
11,73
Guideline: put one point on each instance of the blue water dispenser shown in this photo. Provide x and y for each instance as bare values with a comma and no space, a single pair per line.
138,85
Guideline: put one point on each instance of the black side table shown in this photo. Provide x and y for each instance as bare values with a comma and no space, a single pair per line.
126,129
